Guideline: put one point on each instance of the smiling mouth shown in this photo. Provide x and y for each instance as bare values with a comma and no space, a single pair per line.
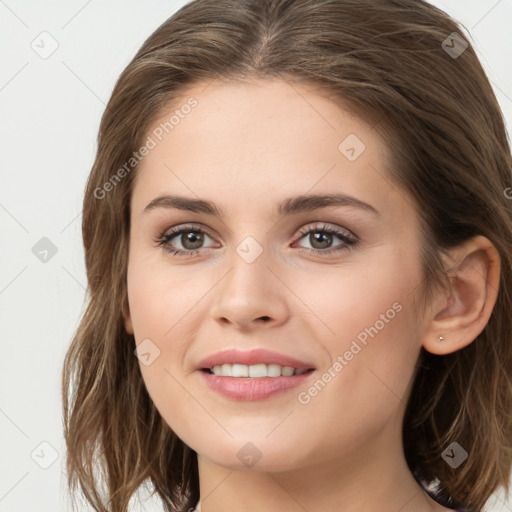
255,371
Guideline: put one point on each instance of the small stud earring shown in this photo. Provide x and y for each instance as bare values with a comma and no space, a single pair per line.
441,338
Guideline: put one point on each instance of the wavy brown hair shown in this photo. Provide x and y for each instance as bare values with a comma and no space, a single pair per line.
388,61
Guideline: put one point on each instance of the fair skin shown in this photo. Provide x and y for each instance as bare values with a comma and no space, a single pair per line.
246,147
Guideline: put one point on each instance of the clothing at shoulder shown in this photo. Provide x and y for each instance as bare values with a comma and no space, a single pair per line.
198,508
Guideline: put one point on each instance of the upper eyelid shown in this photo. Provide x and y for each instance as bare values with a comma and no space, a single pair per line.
302,231
320,226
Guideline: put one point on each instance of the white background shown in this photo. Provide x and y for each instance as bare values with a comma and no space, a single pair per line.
49,116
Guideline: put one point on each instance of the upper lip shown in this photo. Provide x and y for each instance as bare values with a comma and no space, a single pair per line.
252,357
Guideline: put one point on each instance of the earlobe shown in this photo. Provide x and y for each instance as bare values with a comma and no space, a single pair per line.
461,313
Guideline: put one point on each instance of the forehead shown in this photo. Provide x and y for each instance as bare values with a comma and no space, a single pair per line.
250,110
257,139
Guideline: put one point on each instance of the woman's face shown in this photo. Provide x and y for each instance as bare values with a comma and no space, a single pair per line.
329,286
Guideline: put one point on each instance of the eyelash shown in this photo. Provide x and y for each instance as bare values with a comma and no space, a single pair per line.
164,239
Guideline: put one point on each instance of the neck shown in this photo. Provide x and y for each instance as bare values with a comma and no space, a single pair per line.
369,478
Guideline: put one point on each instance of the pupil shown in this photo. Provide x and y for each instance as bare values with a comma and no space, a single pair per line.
196,239
327,239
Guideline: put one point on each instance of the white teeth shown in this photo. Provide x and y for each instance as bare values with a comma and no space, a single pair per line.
273,370
287,371
240,370
227,370
255,371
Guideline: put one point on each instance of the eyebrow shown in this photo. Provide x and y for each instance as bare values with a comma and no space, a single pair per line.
289,206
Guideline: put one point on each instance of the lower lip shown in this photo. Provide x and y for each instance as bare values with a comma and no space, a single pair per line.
252,389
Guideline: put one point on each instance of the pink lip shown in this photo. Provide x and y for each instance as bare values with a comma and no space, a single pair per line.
252,357
247,388
251,389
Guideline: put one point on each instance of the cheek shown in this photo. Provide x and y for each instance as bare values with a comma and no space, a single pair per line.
159,296
365,320
367,298
373,356
156,308
166,311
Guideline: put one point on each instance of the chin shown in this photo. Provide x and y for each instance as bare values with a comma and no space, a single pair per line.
253,455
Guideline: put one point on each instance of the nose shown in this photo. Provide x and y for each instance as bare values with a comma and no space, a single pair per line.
250,295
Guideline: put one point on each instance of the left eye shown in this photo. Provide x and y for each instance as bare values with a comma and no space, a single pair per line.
323,234
192,238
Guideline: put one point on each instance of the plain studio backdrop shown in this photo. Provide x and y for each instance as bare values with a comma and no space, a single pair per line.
60,61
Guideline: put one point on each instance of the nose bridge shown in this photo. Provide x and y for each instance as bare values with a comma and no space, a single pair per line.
249,276
249,290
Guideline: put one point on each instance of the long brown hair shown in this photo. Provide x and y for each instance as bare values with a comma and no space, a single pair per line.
398,65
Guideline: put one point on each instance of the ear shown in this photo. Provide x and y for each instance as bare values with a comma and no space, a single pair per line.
127,318
460,313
